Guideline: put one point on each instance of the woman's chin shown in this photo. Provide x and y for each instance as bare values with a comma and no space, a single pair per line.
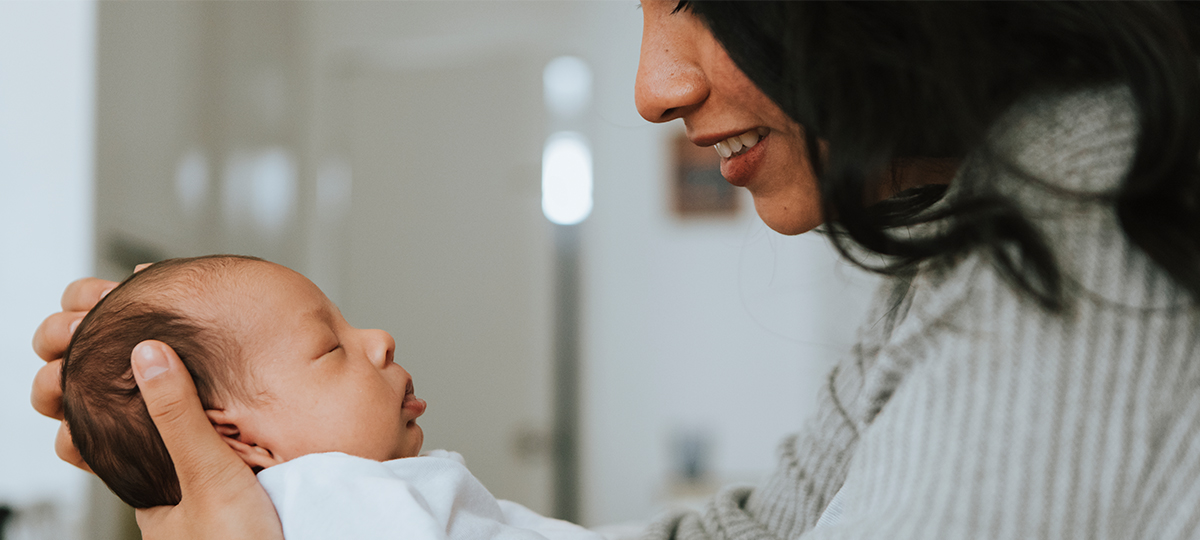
789,219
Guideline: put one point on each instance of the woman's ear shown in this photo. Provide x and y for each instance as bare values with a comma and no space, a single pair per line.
257,457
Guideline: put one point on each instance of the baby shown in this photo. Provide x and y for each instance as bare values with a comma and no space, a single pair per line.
315,406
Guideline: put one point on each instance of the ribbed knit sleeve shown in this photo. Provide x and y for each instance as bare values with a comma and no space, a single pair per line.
973,413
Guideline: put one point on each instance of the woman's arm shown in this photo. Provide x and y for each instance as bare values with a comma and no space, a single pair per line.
221,497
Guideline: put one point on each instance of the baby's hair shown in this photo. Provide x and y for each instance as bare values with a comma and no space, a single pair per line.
103,407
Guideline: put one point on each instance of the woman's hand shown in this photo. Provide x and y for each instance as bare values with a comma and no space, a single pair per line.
50,342
222,499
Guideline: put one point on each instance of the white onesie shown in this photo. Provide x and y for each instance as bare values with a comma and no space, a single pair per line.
433,497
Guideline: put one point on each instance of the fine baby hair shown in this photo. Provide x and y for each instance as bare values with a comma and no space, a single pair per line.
102,405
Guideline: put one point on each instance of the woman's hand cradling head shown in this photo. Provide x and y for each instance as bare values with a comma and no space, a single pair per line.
222,498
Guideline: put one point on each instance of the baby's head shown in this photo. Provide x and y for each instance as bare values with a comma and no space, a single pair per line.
279,371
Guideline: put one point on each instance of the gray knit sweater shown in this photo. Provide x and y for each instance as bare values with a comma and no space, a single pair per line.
966,411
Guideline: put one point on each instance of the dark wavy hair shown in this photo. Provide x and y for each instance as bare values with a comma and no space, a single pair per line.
880,83
104,409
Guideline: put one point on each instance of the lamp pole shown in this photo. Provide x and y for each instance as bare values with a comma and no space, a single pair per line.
566,372
566,202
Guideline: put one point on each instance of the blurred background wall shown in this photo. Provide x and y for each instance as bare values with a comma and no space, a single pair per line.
392,152
47,134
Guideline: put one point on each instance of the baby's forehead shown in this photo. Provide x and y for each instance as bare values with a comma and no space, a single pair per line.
213,292
210,276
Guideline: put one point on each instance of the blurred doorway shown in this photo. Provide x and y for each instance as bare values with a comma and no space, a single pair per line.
445,247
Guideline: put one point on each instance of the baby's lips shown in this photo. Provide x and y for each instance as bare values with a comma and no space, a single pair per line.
414,404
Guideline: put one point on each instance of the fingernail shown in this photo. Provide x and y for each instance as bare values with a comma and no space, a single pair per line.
105,292
73,326
149,361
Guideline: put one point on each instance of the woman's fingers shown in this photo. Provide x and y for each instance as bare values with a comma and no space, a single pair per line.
65,448
47,399
205,464
82,294
54,334
202,461
47,391
51,338
50,341
221,497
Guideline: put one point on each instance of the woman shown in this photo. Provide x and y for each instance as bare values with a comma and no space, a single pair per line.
1027,172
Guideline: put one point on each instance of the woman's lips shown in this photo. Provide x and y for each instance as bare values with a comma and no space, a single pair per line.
740,169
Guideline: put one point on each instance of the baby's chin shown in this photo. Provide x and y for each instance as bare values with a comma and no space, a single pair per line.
411,447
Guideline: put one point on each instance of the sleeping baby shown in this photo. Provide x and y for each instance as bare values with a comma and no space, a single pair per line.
316,407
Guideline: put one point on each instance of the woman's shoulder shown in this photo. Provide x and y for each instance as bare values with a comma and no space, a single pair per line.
1059,145
1062,158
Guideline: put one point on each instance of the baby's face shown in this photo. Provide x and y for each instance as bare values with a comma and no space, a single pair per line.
324,385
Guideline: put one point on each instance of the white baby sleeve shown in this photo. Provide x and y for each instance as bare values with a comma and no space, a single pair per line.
554,529
336,496
328,496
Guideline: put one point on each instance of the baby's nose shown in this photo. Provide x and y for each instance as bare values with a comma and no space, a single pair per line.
381,347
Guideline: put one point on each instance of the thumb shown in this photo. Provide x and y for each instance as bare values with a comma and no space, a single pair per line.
206,466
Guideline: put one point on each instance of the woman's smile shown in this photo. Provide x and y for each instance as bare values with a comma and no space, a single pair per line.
741,155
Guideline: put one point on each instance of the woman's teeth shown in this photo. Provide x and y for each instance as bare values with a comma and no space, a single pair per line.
740,143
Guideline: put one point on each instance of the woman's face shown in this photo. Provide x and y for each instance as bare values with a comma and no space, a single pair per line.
685,73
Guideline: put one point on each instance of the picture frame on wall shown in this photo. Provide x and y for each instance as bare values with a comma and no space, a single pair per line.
698,189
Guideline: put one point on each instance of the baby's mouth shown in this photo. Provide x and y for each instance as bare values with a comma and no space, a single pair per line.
412,402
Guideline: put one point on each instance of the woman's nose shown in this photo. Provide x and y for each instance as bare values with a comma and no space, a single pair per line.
381,348
669,81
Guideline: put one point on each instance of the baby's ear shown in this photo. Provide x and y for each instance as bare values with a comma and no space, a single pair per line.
257,457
